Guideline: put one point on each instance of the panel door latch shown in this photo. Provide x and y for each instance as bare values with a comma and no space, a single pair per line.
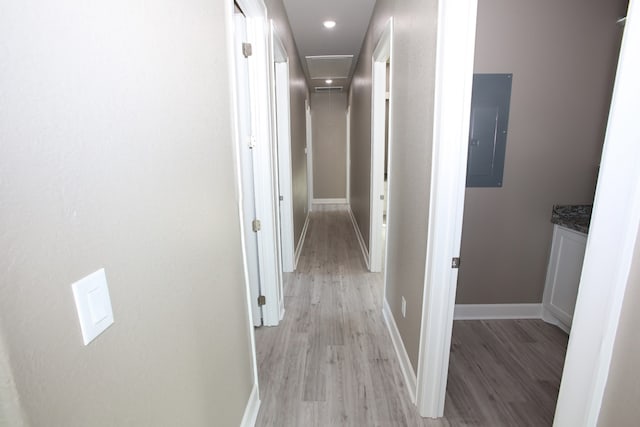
455,262
262,300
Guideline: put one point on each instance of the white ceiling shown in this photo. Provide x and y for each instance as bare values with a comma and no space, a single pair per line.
314,40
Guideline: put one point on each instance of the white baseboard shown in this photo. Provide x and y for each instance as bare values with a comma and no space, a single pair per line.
401,352
303,235
363,246
252,408
549,317
329,201
497,311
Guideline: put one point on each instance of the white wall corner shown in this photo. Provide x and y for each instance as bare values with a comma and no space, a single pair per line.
363,246
252,408
497,311
408,372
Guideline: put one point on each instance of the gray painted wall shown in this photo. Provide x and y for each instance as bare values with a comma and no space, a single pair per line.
622,393
413,82
562,56
299,93
117,153
329,123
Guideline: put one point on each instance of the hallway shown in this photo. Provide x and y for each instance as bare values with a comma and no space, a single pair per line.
331,361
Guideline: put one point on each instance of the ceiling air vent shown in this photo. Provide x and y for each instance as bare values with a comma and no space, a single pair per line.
329,66
329,89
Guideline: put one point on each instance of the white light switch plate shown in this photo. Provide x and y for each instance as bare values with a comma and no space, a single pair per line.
93,304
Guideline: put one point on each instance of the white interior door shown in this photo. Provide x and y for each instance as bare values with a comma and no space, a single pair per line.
246,155
381,55
309,152
283,133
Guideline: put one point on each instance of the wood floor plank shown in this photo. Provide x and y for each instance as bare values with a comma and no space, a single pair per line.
331,362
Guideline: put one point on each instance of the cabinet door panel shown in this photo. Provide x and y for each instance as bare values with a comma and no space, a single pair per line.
563,275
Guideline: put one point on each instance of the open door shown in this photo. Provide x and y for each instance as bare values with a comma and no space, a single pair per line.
379,139
246,154
283,140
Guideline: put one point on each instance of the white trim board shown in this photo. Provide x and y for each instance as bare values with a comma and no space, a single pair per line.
329,201
363,246
382,55
251,410
401,352
452,105
497,311
610,246
230,34
300,244
549,317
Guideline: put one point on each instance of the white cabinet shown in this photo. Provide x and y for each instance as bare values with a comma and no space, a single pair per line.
563,276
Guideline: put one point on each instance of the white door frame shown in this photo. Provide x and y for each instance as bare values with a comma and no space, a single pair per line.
264,167
309,152
612,235
246,167
348,156
454,75
610,246
282,136
381,54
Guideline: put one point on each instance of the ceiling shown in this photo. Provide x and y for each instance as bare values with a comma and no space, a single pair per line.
329,53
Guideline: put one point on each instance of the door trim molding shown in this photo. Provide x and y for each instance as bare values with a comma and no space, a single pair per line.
381,54
611,242
249,6
282,140
309,152
453,82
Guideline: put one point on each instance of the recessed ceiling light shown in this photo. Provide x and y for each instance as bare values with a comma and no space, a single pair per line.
328,81
329,24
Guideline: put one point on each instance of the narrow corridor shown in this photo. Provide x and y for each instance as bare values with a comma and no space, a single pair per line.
331,362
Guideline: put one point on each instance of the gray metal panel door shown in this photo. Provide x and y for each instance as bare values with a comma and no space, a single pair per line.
488,129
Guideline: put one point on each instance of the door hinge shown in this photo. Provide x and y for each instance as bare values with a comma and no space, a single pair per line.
256,225
252,142
455,262
281,198
262,300
247,50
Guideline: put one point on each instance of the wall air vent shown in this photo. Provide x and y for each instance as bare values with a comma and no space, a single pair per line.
325,89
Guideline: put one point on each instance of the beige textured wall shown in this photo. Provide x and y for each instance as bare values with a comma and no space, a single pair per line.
412,95
117,153
562,56
299,93
329,124
622,393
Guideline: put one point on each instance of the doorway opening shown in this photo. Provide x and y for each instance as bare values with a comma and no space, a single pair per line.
246,164
381,116
257,161
496,250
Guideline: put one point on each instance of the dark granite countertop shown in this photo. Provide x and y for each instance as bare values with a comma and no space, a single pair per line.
574,217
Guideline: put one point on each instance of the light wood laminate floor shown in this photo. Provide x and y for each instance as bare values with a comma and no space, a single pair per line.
331,362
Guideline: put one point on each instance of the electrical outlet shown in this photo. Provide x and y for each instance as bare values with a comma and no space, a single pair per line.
404,307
